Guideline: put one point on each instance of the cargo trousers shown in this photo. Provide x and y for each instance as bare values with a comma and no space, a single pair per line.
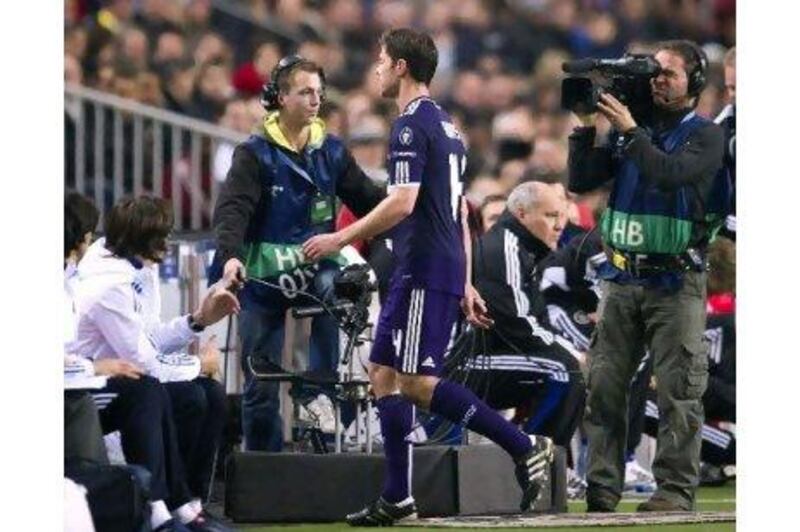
633,318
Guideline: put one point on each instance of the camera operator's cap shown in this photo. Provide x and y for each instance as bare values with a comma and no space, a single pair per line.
369,129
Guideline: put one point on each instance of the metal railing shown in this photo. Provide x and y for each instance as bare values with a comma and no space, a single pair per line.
117,147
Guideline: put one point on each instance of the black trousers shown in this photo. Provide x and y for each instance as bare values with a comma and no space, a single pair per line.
200,412
141,410
547,385
719,400
718,446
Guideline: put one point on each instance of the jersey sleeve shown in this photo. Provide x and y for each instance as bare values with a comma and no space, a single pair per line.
408,151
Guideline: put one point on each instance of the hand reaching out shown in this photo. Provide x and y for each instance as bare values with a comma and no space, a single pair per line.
218,303
320,246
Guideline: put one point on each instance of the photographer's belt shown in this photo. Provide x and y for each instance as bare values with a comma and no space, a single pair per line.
644,265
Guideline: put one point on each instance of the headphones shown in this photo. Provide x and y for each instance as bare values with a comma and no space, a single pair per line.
697,77
270,90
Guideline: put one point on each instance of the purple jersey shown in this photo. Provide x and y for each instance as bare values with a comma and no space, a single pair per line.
426,150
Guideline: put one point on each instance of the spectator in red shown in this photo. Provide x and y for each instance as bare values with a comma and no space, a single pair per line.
250,77
722,277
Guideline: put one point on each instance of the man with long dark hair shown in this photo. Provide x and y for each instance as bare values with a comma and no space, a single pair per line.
118,305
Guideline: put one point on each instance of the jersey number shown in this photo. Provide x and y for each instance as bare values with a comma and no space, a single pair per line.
456,185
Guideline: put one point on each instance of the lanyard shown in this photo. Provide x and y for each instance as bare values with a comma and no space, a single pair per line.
294,166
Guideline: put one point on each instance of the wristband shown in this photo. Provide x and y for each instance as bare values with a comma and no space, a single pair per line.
194,326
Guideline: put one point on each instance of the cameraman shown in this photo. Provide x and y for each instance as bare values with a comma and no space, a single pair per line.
655,235
282,189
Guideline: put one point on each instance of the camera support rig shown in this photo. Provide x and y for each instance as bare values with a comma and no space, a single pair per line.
354,288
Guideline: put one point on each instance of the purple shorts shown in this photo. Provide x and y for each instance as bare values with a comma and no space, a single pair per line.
414,329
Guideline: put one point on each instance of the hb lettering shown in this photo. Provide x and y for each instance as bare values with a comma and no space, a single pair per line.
627,234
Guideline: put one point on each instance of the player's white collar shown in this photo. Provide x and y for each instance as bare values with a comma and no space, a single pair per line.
411,107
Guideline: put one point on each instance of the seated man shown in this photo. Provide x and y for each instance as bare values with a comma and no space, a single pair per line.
520,362
117,311
83,439
198,400
138,403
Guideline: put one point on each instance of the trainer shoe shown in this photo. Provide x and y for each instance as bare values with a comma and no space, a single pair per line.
576,486
660,504
382,513
638,479
532,470
729,471
320,413
600,500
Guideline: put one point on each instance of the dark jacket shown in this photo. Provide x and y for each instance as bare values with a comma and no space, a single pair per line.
504,273
681,174
569,283
257,203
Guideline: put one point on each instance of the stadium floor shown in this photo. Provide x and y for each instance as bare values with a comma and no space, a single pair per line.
708,499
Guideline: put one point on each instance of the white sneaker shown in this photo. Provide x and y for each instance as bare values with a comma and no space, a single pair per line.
576,486
320,412
355,441
113,442
638,479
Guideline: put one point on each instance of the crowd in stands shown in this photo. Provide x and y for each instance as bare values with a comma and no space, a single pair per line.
499,63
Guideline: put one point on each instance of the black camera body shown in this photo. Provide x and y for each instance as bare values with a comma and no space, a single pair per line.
627,79
353,283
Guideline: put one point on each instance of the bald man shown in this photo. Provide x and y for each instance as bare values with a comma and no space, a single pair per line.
520,362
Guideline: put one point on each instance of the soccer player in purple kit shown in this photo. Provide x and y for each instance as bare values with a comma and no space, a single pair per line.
426,213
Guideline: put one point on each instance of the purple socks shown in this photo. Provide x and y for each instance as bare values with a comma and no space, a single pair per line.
453,402
460,405
397,416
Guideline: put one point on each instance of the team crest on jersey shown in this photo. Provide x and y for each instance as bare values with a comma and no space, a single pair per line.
406,136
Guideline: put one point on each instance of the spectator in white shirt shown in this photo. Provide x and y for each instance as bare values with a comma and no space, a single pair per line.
118,304
83,438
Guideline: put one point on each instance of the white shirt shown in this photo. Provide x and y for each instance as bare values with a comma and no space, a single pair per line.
78,371
118,316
